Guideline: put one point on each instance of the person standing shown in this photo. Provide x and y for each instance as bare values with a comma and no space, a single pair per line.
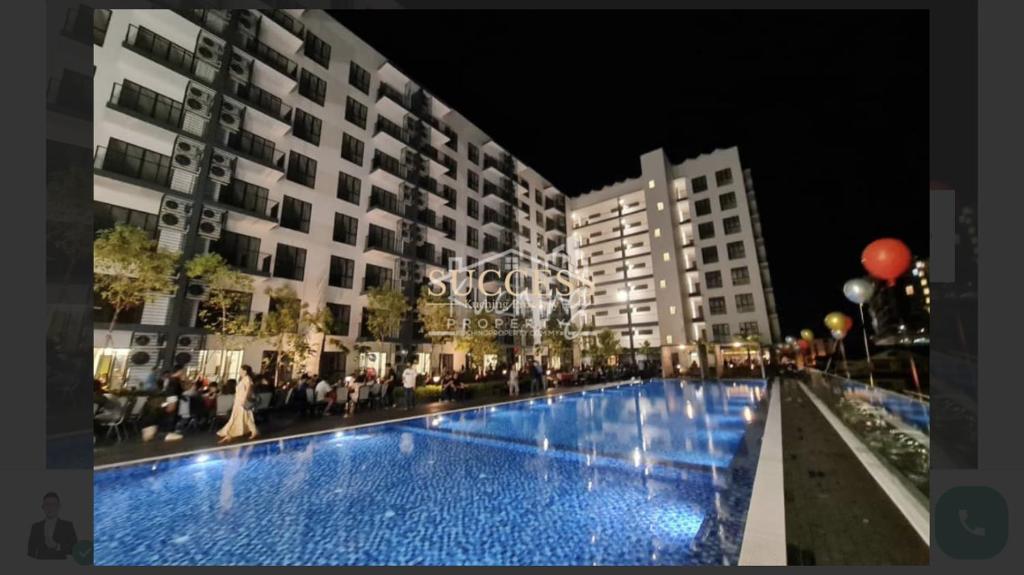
242,420
53,537
409,384
513,382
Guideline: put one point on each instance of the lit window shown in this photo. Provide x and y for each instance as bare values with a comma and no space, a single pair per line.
661,206
666,257
662,283
668,339
672,310
650,184
657,232
910,290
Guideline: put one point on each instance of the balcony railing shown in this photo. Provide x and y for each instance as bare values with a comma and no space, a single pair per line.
491,189
370,283
392,129
386,201
383,243
386,90
505,165
253,147
550,204
249,198
214,20
142,102
286,21
272,58
159,49
134,162
249,261
491,217
389,164
264,101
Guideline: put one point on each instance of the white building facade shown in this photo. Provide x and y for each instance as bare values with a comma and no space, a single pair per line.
678,261
280,140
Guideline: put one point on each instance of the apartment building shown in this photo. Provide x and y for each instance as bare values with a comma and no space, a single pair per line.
280,140
677,260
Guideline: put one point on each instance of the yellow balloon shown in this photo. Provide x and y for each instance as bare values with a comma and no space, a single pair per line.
835,321
807,335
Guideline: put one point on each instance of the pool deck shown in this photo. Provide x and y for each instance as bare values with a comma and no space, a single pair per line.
836,513
281,426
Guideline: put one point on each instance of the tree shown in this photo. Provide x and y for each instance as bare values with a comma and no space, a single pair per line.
435,314
554,333
386,308
281,322
322,321
130,269
228,292
477,339
645,351
606,347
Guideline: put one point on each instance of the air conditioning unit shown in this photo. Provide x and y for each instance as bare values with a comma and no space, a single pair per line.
197,291
231,114
187,350
147,340
211,223
222,166
199,99
248,23
187,154
143,358
170,204
240,67
210,49
174,214
190,341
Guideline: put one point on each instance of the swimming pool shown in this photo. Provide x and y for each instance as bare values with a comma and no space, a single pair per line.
653,473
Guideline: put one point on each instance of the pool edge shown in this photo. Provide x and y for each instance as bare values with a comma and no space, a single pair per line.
764,534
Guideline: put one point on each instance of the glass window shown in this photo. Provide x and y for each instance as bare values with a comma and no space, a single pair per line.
349,188
702,207
744,302
342,272
709,255
472,237
301,169
736,250
312,86
750,328
317,50
472,208
723,177
359,77
472,180
731,225
740,276
706,230
700,184
355,112
307,127
346,229
716,305
290,262
713,279
727,201
341,316
352,149
473,153
107,216
720,331
295,214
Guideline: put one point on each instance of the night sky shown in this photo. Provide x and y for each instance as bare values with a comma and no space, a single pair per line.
829,110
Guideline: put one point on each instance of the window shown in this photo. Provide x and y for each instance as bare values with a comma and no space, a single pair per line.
472,180
317,50
472,237
713,279
349,187
312,87
472,208
702,207
740,276
539,217
376,276
731,225
706,230
295,214
473,153
662,284
671,310
290,262
301,169
359,77
342,271
744,302
716,305
352,149
661,205
723,177
700,184
709,255
307,127
100,23
666,257
736,250
346,229
537,197
107,216
720,331
657,232
341,316
355,112
750,328
727,201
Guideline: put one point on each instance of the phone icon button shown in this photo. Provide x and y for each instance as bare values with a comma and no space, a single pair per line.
971,522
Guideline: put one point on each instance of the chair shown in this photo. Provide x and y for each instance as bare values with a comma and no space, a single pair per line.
135,415
222,409
364,395
185,411
375,394
115,423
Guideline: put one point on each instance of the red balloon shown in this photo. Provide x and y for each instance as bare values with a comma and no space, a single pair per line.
803,345
886,259
848,324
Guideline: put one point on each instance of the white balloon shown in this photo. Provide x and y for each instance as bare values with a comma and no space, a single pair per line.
859,290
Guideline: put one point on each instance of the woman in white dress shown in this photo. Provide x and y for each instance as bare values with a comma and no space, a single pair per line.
241,421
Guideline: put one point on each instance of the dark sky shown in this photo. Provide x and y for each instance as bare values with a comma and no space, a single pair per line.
829,110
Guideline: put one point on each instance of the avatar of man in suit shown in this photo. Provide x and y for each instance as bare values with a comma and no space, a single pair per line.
53,537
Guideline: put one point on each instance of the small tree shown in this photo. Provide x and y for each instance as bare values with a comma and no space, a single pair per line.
606,347
281,322
386,308
225,313
130,269
478,340
435,314
554,333
320,320
645,351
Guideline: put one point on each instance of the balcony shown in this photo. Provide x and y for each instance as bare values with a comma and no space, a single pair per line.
493,218
557,206
429,219
504,166
493,190
213,20
249,261
247,199
494,245
386,244
255,149
135,165
392,101
156,48
388,169
291,31
150,107
263,101
386,204
383,282
281,71
390,137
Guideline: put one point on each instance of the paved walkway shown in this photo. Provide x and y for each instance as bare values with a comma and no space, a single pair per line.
287,424
835,512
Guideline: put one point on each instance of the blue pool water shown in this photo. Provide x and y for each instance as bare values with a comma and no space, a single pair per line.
913,412
658,473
